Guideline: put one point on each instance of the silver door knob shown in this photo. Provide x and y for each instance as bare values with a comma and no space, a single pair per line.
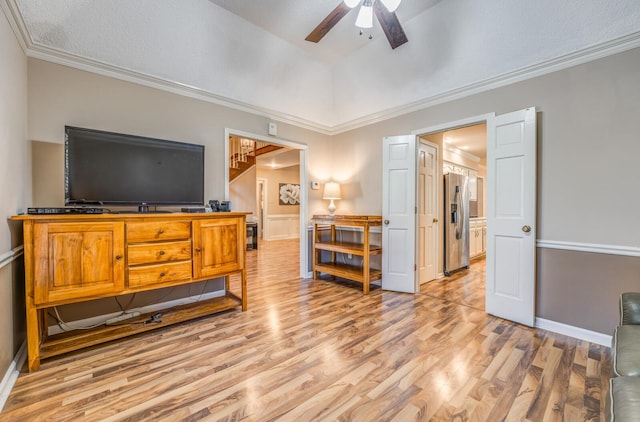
526,229
386,221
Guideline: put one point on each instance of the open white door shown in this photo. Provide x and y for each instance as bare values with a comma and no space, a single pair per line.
511,216
399,213
427,212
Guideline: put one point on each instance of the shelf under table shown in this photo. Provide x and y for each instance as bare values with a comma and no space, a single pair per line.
351,272
73,340
348,247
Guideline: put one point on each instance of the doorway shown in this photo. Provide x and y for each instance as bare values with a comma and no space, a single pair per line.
463,151
510,211
250,199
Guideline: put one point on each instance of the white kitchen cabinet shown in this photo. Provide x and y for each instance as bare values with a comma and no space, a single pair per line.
473,185
477,237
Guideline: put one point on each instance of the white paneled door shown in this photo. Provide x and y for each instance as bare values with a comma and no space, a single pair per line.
399,213
427,212
511,216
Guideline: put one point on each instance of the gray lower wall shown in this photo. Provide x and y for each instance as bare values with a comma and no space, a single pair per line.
581,289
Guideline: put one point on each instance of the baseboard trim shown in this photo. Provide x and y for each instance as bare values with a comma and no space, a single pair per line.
575,332
11,375
87,322
589,247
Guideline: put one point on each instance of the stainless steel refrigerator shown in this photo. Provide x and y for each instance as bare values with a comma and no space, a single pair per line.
456,227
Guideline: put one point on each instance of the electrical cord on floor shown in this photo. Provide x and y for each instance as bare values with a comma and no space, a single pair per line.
124,308
65,326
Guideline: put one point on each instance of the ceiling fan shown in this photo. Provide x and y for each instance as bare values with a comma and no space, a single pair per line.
384,10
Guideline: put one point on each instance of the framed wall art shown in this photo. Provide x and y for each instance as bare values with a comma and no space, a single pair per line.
289,194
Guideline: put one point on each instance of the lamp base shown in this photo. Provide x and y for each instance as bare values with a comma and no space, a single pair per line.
332,208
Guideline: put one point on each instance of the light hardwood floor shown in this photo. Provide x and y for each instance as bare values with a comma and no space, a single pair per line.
319,350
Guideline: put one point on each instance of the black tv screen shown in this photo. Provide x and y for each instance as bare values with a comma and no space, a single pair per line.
118,169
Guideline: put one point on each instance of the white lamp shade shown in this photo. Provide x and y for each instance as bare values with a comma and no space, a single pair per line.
365,17
391,5
331,191
351,3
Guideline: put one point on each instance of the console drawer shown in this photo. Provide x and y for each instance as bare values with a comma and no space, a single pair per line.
148,275
152,231
150,253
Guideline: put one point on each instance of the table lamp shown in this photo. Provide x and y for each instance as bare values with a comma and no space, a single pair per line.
331,191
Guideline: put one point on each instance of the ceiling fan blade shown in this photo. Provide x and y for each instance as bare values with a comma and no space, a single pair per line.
391,25
329,22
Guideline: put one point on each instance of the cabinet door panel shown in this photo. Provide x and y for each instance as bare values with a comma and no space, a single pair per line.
217,246
78,260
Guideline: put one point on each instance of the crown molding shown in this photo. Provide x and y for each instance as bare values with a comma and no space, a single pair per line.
465,154
50,54
14,17
128,75
598,51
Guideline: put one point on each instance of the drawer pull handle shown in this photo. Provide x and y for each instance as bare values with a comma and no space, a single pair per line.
160,231
161,252
162,274
198,249
118,257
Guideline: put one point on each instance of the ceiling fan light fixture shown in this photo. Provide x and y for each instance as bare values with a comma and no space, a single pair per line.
391,5
365,15
351,3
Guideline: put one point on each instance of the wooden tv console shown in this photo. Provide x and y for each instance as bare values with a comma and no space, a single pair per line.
82,257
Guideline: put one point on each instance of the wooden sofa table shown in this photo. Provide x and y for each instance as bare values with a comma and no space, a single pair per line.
75,258
364,274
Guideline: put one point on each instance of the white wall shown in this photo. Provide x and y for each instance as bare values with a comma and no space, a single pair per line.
15,187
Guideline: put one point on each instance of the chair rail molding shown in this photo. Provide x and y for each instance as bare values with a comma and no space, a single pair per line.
589,247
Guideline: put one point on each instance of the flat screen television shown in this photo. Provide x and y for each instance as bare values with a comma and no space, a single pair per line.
108,168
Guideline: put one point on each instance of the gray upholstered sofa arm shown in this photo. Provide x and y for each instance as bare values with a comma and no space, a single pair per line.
623,400
630,308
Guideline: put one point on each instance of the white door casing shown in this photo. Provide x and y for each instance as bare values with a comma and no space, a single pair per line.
304,257
427,212
511,216
399,213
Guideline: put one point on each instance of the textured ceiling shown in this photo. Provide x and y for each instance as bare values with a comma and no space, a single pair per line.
251,54
293,20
